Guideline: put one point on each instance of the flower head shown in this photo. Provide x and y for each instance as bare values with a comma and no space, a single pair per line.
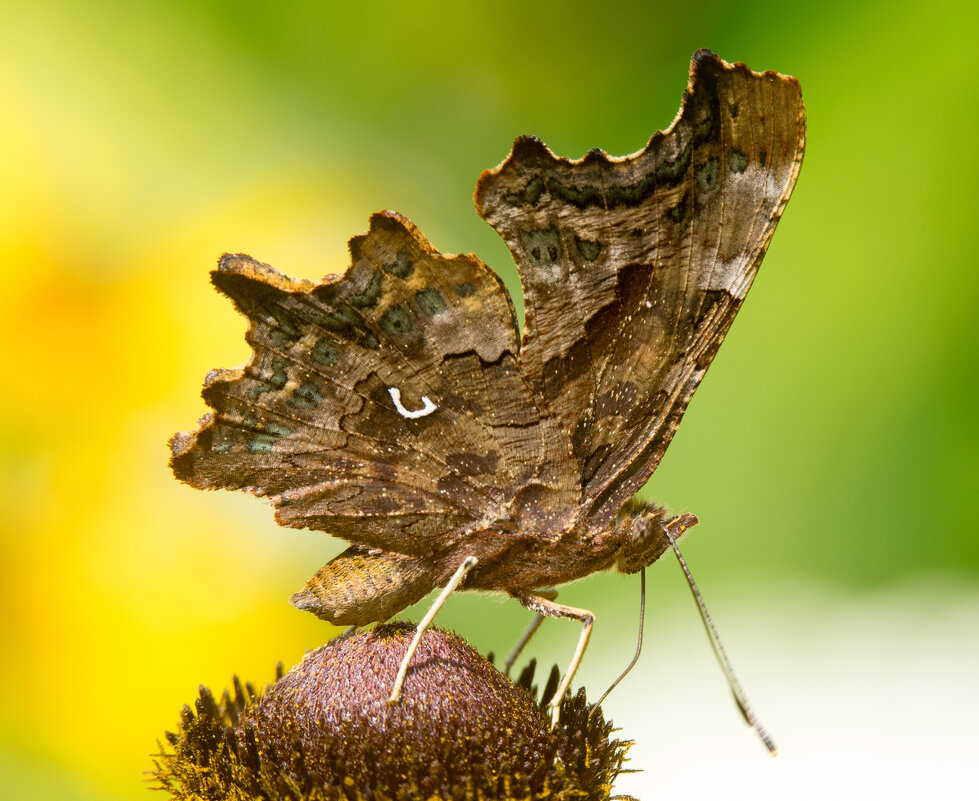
325,730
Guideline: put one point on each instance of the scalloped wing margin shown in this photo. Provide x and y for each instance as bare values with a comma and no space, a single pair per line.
384,406
634,268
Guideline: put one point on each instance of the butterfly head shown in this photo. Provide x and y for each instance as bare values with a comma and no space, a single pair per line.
650,531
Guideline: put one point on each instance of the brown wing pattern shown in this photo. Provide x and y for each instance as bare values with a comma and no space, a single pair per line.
385,406
633,269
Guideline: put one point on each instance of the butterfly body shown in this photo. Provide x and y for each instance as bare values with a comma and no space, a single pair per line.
398,407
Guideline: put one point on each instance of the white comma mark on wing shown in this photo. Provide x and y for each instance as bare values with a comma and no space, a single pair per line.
427,406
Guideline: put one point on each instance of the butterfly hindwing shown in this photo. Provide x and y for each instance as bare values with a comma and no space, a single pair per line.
385,406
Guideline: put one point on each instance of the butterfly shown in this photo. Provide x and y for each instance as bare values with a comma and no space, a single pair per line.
397,407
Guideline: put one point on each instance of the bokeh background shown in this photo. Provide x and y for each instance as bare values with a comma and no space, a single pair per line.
831,453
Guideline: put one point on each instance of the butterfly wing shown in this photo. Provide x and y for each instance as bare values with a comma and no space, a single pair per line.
385,406
633,269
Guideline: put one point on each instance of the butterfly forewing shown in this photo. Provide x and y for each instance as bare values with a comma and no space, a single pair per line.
634,268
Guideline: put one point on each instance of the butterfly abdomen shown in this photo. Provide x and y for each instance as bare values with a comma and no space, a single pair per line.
360,587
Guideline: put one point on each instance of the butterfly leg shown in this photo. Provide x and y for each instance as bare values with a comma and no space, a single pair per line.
550,594
546,608
457,578
347,632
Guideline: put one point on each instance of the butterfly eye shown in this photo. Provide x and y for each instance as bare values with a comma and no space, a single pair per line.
644,530
647,541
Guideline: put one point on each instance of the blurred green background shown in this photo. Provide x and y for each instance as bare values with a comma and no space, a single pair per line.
831,453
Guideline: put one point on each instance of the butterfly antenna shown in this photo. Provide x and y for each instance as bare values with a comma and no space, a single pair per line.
632,664
739,697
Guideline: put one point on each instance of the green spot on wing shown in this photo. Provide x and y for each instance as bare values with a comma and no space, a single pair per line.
306,396
580,196
370,295
707,175
261,443
542,246
679,211
669,173
589,249
324,352
529,195
272,384
341,320
401,267
430,301
737,160
396,321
